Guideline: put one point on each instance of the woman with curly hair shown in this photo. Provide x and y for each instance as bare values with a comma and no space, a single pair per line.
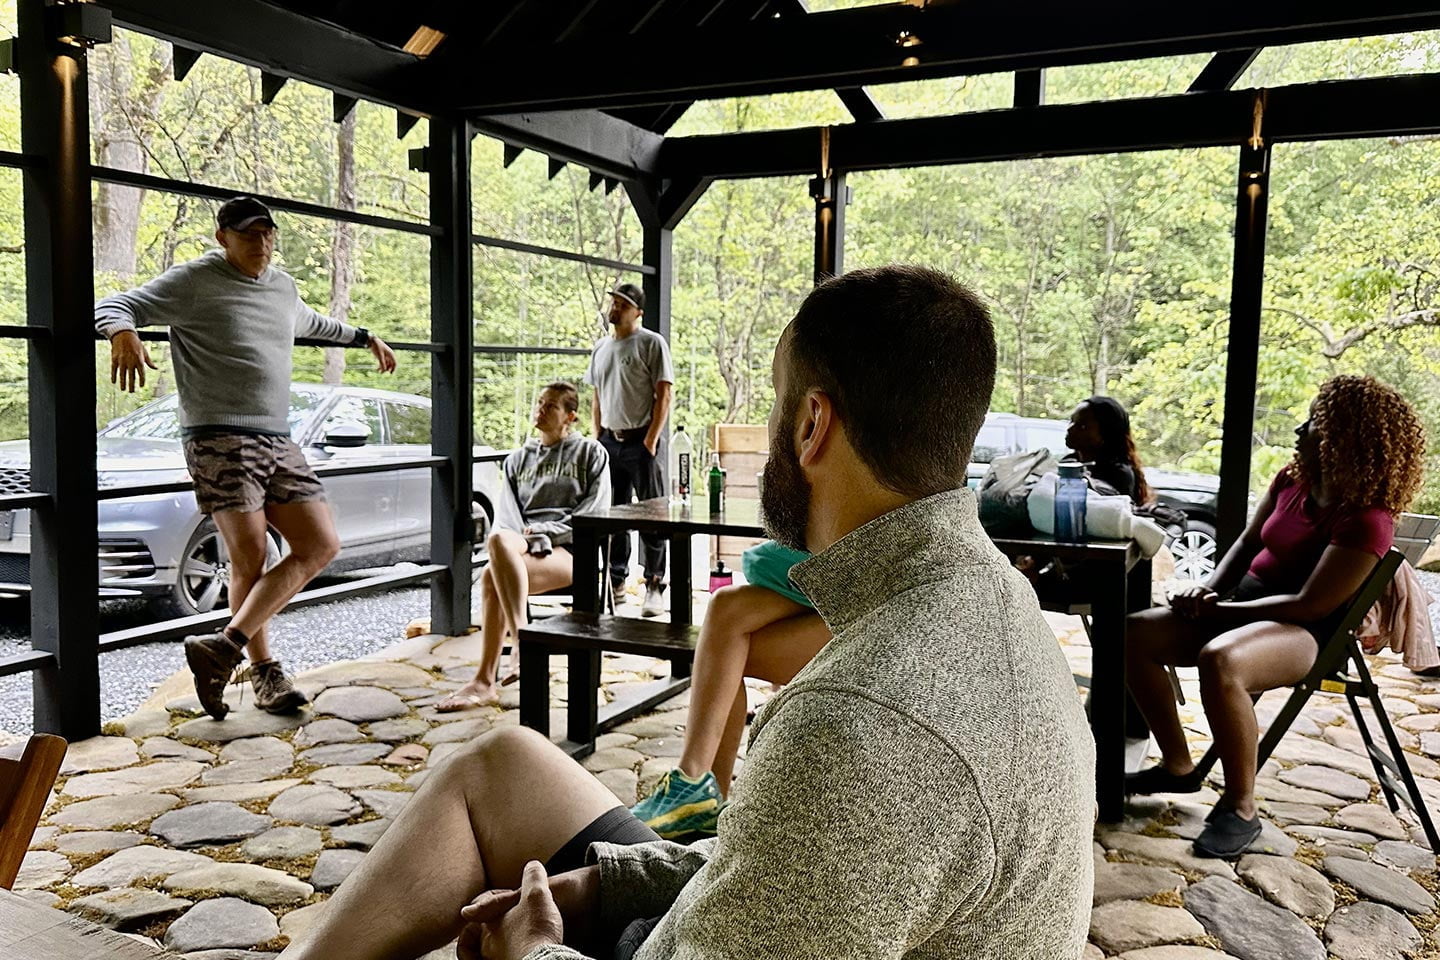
1318,532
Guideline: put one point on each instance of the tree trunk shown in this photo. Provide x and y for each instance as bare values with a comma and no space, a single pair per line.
120,111
342,246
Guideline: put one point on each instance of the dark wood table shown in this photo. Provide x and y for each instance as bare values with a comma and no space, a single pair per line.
29,931
582,635
1117,580
677,522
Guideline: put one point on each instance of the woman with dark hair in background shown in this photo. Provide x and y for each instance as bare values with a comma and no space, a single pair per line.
1099,435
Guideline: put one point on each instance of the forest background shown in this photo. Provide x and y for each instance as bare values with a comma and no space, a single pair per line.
1106,274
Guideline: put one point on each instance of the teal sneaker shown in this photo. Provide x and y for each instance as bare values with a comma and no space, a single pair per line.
681,806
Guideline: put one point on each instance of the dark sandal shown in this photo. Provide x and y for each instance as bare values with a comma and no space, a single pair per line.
1157,779
1227,835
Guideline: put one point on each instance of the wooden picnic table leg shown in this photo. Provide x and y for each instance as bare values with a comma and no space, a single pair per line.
582,713
1138,597
535,686
1108,690
586,549
681,594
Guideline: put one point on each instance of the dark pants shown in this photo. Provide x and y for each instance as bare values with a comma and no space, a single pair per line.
635,474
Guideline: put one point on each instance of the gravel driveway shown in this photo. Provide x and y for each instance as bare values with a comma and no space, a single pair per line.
309,637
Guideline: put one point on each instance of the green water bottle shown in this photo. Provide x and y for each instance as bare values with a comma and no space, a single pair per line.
717,485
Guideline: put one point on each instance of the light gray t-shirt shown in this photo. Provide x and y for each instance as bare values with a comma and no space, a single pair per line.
624,372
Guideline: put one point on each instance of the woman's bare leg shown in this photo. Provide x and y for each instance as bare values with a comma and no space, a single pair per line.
511,572
1155,638
726,654
493,627
517,572
542,573
723,766
1236,664
507,798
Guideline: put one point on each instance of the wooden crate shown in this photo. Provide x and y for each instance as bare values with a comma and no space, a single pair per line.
743,448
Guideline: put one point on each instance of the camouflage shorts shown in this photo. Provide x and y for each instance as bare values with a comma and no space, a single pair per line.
245,471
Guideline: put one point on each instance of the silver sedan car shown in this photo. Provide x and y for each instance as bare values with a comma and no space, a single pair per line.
163,548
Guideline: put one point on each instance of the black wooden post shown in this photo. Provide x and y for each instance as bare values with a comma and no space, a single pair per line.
60,296
452,528
657,254
831,197
1029,88
1243,352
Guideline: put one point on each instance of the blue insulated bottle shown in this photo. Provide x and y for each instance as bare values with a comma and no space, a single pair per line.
1070,492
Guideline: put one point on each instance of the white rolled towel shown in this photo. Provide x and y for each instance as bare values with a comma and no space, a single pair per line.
1108,518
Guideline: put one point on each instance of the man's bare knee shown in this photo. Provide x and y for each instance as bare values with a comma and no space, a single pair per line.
504,745
247,560
501,753
316,554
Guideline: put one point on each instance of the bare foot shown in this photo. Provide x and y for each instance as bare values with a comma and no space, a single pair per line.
473,694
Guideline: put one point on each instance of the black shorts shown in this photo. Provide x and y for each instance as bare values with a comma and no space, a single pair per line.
617,825
1251,588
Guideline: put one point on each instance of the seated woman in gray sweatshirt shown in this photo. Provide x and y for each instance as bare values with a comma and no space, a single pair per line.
551,477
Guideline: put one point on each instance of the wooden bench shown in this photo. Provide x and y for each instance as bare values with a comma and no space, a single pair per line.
583,637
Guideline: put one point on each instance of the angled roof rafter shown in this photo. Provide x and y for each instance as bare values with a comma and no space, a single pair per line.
285,44
858,46
1378,107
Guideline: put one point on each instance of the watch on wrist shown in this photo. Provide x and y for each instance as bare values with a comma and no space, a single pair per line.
362,338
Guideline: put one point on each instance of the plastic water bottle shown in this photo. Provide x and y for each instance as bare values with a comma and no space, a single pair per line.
716,485
720,577
682,455
1070,495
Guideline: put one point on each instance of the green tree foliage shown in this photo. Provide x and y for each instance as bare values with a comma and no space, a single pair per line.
1106,274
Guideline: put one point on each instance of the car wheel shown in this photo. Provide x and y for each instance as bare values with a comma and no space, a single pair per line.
1195,551
202,584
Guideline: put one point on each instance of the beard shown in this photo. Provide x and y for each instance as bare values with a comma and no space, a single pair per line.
786,499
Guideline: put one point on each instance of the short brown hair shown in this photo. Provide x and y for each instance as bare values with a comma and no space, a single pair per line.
907,355
569,395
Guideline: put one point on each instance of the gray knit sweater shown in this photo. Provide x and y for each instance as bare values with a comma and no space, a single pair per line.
923,789
551,484
231,338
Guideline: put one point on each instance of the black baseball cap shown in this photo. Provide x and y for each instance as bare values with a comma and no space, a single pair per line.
239,213
632,293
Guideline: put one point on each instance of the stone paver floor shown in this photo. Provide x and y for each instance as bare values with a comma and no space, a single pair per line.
221,840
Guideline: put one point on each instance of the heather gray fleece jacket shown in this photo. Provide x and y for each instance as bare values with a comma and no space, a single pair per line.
923,789
231,338
550,484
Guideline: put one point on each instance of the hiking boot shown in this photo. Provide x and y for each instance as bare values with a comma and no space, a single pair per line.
654,604
681,806
274,693
213,658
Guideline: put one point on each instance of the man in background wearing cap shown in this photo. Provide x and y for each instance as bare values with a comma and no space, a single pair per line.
633,378
233,323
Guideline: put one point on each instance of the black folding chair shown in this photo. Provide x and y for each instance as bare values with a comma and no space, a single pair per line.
1340,669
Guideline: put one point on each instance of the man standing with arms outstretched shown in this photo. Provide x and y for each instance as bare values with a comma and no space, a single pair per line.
633,381
233,323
